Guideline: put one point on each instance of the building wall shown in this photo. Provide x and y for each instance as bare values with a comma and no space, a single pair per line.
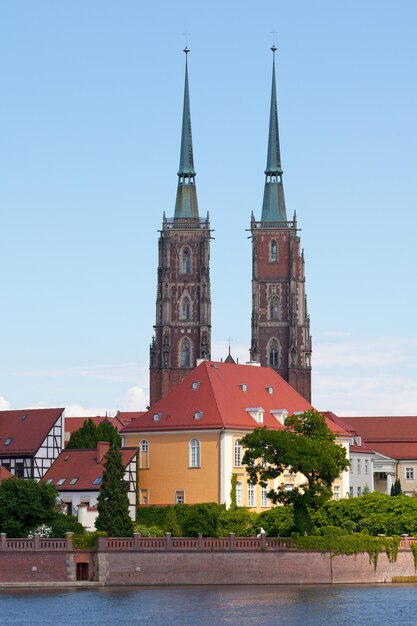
169,470
360,473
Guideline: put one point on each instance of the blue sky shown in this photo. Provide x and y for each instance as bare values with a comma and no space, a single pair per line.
90,113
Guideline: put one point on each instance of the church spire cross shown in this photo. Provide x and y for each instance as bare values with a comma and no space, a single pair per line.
186,204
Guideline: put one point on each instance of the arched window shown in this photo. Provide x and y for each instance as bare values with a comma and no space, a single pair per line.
144,454
185,354
273,353
186,308
194,453
273,256
274,308
238,453
186,261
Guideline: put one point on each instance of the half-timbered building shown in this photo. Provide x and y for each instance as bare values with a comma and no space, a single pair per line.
30,440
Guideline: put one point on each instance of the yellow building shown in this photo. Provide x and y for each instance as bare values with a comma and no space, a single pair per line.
189,441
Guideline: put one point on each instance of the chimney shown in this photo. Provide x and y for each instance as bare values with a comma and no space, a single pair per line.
102,449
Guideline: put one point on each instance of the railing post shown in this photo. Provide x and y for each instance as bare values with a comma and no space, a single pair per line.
136,541
70,545
101,544
168,544
36,542
200,542
232,543
263,541
2,542
406,543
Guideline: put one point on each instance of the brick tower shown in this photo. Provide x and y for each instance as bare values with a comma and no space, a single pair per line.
183,304
280,322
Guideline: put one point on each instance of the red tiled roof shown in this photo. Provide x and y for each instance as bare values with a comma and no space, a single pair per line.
81,464
220,399
75,423
394,436
4,473
27,429
344,423
126,417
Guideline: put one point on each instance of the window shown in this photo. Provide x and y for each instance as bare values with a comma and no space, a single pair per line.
264,499
48,482
19,470
358,441
156,417
273,308
61,481
186,308
259,417
409,473
273,252
194,453
351,465
270,390
251,495
179,497
186,261
195,384
273,353
359,491
336,492
185,354
238,453
144,496
198,415
359,466
351,492
238,493
366,466
8,441
243,387
73,481
98,480
144,454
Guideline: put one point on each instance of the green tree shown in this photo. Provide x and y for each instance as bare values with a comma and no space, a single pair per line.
113,503
89,435
306,446
25,505
396,488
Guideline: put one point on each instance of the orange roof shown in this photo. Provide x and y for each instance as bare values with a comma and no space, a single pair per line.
394,436
4,473
222,395
81,468
23,431
126,417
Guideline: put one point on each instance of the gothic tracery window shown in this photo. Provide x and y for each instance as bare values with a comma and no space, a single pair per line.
186,261
185,353
186,308
273,255
274,308
273,356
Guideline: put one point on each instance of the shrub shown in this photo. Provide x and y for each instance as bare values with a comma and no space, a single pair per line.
240,521
65,524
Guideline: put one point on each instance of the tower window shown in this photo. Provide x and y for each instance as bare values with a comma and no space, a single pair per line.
185,354
274,308
186,261
186,307
273,354
273,252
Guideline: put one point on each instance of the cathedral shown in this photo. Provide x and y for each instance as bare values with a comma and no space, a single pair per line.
280,336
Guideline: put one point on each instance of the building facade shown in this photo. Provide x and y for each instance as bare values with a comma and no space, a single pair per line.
182,332
280,321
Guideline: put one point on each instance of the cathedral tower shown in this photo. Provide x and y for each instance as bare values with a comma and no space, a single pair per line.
280,322
183,304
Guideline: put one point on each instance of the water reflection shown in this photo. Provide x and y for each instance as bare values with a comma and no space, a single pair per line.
206,606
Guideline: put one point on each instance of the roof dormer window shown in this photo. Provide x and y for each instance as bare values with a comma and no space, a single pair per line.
358,441
257,413
280,414
156,417
270,390
243,387
8,441
195,384
198,415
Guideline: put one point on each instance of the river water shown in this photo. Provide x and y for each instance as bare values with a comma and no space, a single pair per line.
318,605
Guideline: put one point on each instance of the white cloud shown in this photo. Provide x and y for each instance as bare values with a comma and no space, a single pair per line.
136,400
4,404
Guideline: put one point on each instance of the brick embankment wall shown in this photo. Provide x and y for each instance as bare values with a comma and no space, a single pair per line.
236,568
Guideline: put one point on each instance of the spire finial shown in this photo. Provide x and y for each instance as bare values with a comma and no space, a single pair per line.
273,209
186,203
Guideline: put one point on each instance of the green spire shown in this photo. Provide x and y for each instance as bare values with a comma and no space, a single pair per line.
186,204
273,208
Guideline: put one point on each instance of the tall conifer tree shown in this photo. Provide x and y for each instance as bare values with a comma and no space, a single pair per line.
113,503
